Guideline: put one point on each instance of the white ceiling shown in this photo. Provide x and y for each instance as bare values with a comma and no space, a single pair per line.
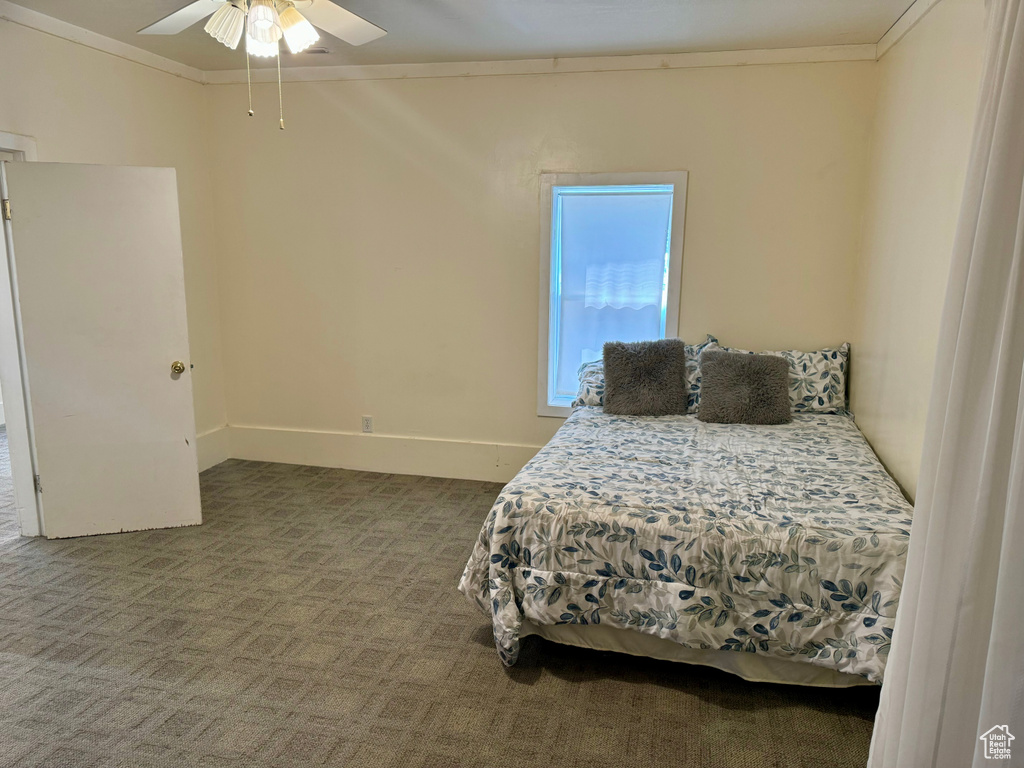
421,31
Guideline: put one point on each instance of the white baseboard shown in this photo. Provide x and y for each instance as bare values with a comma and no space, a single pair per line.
213,447
394,454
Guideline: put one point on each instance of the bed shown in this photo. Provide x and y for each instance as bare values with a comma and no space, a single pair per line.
773,552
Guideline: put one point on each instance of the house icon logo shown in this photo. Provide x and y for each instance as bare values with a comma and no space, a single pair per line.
997,742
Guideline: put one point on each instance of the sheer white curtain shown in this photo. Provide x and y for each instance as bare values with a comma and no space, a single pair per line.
957,663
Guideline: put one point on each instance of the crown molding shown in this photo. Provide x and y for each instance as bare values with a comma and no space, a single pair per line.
17,14
40,22
25,17
818,54
917,11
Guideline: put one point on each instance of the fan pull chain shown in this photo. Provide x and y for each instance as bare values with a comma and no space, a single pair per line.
248,73
280,94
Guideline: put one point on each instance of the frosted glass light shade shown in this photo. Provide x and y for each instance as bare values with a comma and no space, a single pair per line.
298,33
227,24
264,24
260,48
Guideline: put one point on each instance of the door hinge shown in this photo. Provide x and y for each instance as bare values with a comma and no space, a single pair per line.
39,484
7,209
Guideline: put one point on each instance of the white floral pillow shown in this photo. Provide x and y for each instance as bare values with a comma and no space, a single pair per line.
591,375
693,372
591,391
817,380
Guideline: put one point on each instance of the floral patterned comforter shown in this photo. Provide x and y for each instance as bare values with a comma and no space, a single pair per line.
783,540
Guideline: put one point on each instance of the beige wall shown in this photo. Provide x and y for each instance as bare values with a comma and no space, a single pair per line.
928,87
382,256
84,106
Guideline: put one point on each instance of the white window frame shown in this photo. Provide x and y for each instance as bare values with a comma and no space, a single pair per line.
548,181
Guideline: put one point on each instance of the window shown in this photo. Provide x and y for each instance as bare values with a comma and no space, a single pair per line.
611,247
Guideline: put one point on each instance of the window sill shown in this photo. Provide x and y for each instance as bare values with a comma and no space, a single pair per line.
554,411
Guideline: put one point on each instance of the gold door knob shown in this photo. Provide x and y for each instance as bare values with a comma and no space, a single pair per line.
177,367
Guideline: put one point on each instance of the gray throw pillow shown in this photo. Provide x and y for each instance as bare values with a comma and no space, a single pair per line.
744,389
645,378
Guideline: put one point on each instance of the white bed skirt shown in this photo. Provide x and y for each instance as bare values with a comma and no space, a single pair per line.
749,666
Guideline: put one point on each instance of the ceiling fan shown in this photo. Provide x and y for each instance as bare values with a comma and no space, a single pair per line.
266,15
264,23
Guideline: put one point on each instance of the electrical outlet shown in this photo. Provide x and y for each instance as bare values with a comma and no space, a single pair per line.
367,423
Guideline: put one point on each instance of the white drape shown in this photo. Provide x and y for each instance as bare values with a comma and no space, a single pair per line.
957,663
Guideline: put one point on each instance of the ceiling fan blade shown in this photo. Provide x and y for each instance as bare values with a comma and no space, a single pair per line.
345,25
183,19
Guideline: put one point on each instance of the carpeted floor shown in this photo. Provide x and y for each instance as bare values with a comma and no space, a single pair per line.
313,620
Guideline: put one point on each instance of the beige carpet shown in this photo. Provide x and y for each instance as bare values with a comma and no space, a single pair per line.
313,620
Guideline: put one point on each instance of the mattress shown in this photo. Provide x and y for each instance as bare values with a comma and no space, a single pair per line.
755,667
783,541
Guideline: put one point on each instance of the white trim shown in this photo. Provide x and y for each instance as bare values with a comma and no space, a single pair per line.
21,145
679,181
904,24
212,447
817,54
392,454
40,22
547,182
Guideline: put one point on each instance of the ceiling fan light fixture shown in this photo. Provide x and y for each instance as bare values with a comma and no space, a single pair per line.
299,34
227,24
264,24
259,48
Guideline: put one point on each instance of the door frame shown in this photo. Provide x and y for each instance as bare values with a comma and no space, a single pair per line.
22,147
12,370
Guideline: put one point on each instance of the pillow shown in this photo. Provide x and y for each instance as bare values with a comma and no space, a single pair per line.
693,353
645,378
817,380
591,376
591,391
744,389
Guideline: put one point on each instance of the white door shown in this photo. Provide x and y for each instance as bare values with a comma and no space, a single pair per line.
99,289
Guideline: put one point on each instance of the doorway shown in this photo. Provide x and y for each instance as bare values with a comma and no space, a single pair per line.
10,526
19,512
